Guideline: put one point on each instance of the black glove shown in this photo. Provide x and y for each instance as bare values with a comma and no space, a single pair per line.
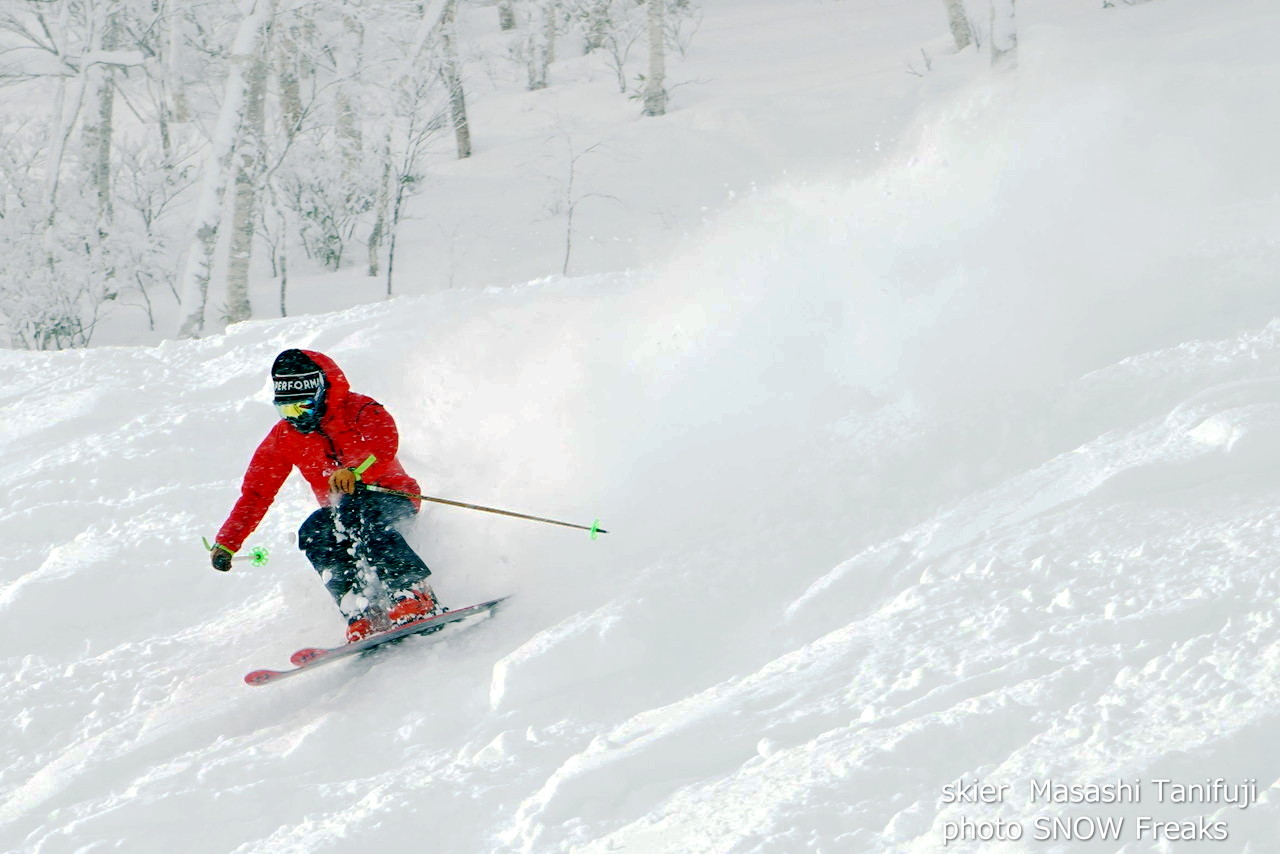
220,557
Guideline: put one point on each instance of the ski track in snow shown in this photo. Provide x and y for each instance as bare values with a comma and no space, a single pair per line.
905,520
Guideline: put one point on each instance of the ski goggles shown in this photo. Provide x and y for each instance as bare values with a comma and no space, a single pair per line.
294,409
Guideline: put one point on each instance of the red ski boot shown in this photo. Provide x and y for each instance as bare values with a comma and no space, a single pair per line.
416,603
359,629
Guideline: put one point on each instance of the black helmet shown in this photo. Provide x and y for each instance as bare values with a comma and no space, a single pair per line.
299,389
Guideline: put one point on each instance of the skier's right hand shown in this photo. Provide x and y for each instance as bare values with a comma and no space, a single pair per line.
220,557
344,481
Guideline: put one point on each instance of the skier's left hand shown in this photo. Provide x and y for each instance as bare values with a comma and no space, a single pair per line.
343,480
220,557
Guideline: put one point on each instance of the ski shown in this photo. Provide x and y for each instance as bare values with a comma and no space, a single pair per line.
310,657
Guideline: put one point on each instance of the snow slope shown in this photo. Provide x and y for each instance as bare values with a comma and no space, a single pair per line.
962,469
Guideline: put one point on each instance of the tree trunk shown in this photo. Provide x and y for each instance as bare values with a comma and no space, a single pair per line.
290,86
66,108
655,93
198,269
959,21
248,174
159,71
349,61
506,15
180,109
395,223
284,261
550,14
1004,33
453,81
380,218
597,26
102,163
98,125
537,48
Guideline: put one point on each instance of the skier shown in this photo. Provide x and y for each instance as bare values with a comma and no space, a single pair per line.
330,434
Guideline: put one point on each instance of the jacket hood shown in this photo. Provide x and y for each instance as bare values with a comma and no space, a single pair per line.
336,385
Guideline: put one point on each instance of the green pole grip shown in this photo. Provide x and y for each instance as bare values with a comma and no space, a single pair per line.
208,546
360,469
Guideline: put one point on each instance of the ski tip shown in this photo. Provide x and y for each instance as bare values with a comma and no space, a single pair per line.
260,677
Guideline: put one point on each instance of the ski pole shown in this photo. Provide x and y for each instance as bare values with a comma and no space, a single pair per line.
258,555
594,528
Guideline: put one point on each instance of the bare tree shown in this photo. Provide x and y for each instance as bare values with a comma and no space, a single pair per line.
276,234
415,115
506,15
399,165
569,194
417,125
174,48
622,29
1004,33
289,58
958,19
452,75
595,18
683,20
198,269
252,157
146,185
78,48
348,65
539,44
99,120
250,133
655,93
381,213
58,253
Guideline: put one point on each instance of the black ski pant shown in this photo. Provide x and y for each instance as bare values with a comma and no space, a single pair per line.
357,538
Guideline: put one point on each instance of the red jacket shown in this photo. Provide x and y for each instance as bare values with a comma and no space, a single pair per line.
353,427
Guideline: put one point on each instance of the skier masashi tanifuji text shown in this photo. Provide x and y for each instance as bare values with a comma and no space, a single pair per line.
329,433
